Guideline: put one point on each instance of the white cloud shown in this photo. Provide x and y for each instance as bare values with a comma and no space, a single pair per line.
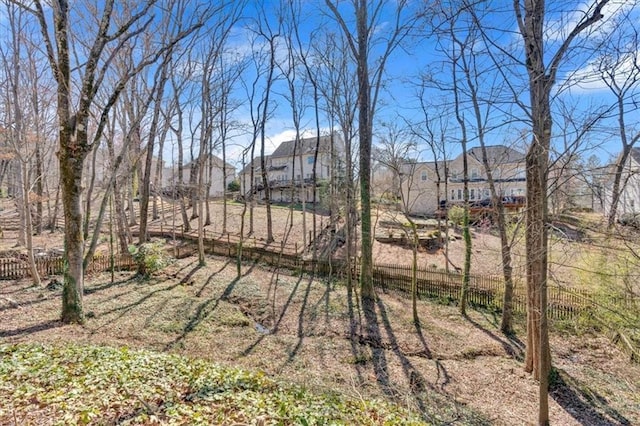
591,79
563,21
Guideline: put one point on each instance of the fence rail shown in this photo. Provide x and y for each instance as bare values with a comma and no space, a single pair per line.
484,291
16,268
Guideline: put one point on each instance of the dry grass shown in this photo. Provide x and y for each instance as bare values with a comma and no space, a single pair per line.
313,333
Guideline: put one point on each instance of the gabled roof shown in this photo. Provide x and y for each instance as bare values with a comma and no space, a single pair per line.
635,154
304,146
412,167
217,162
498,154
256,163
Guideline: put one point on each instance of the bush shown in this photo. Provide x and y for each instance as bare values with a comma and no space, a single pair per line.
456,215
234,186
150,258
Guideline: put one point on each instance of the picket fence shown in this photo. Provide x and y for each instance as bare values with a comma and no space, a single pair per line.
16,268
484,291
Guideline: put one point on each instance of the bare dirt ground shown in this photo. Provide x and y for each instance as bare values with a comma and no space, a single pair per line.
289,227
572,263
454,370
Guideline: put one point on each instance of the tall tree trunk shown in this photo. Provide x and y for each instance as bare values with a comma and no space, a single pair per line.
161,81
365,132
71,166
541,81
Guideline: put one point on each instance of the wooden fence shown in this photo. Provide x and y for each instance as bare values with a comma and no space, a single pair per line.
16,268
484,291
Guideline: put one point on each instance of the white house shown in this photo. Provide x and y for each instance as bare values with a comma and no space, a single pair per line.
420,180
629,201
217,175
290,169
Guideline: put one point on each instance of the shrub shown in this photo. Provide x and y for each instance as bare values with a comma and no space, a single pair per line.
234,186
150,258
456,215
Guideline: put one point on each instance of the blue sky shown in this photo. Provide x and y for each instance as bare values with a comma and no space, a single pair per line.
398,101
422,53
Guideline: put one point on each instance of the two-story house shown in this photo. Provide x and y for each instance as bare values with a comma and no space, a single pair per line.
290,169
421,180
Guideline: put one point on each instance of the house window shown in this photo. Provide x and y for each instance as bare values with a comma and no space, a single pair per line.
310,159
472,194
459,194
474,173
424,175
454,174
453,194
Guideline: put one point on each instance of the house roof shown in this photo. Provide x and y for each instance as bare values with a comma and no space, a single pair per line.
217,162
635,154
304,146
498,154
256,164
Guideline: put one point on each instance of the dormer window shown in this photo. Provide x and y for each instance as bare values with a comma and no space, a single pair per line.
423,176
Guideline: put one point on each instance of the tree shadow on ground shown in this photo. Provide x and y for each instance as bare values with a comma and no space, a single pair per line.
124,309
210,278
355,319
300,332
281,314
513,346
426,352
46,325
204,309
382,339
584,404
418,384
109,284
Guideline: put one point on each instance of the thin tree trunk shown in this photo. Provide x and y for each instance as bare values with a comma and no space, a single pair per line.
92,180
54,217
35,276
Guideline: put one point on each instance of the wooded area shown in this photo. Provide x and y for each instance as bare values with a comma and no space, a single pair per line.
108,110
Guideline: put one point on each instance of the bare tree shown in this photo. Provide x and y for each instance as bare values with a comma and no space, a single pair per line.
619,69
99,43
530,16
432,130
399,155
482,95
21,138
360,41
339,92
